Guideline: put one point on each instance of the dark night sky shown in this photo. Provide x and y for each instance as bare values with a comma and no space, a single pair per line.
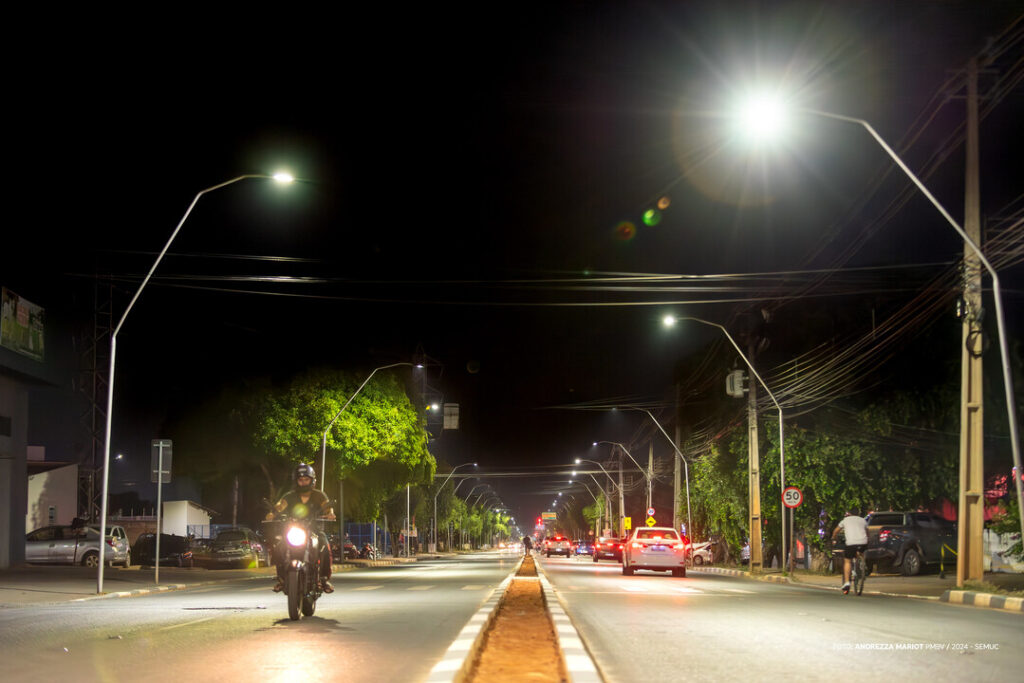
495,144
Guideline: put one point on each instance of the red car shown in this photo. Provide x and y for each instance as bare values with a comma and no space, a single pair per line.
608,548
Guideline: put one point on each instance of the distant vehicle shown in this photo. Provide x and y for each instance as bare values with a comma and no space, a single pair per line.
175,551
239,548
656,548
907,540
700,554
608,547
557,545
118,549
583,547
63,544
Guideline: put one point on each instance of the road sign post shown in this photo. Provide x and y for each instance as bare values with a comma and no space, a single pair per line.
161,452
792,497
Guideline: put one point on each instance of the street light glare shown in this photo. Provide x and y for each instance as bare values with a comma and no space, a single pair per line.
762,117
668,321
284,177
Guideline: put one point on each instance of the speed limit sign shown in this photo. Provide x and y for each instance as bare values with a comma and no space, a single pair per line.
792,497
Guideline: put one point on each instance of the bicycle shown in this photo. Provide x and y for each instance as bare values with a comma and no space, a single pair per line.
858,572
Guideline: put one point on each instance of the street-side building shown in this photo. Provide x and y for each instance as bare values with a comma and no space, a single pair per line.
52,492
23,369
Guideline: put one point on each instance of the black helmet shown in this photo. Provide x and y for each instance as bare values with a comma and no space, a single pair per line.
304,470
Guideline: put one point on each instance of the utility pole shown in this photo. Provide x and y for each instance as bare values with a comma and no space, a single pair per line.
676,473
622,501
753,471
971,515
650,471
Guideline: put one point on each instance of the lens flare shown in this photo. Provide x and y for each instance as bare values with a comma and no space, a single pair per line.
664,202
652,217
625,231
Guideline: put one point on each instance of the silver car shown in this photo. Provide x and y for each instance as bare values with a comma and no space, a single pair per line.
63,545
118,550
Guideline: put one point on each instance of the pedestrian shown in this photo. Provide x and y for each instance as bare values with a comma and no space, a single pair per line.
527,545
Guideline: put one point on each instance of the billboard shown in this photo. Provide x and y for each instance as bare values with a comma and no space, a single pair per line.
21,325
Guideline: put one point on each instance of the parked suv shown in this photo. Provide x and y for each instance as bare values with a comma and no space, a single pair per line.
175,551
908,540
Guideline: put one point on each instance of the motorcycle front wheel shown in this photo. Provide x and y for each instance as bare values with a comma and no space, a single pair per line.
294,588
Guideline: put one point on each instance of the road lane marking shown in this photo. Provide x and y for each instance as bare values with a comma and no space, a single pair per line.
686,589
634,589
473,587
187,623
418,588
367,588
738,590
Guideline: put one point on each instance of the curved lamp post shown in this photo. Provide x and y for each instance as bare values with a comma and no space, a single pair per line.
465,464
647,475
279,177
771,112
670,320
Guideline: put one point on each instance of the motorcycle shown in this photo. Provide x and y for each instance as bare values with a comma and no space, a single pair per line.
368,552
300,543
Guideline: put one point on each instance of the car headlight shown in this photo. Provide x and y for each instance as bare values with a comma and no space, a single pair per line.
296,536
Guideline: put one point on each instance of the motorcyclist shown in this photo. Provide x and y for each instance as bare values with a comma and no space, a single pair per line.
527,545
300,502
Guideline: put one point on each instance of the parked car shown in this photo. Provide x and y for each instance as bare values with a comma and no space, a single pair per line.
238,548
907,540
557,545
118,549
175,551
63,544
657,548
608,548
700,553
583,547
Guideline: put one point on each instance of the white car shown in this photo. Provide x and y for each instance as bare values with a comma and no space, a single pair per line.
655,547
700,554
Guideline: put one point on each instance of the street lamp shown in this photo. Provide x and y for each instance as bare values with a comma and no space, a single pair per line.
465,464
776,109
669,321
686,467
647,475
281,178
323,442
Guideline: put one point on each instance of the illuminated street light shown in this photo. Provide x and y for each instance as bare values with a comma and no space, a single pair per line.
686,467
285,178
996,290
434,527
647,475
670,321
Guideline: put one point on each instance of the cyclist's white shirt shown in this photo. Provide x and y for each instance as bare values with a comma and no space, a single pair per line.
855,529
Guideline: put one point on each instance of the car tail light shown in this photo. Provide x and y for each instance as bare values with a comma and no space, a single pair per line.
883,535
679,546
637,545
110,542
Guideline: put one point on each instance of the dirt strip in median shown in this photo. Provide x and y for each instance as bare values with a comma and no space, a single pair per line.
520,645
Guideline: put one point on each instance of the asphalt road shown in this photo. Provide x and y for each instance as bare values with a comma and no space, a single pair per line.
383,624
652,627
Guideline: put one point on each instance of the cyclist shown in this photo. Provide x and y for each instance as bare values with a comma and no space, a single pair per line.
527,545
855,529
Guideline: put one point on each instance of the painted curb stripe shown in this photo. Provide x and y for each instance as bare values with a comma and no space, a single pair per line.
458,658
1001,602
578,662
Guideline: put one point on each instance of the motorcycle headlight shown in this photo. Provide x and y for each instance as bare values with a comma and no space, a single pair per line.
296,536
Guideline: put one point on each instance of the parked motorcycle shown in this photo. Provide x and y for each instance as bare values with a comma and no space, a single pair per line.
300,543
368,552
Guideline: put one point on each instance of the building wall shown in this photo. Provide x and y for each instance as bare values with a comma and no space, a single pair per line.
57,489
13,470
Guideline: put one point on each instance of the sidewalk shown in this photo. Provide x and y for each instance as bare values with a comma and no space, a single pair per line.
37,584
926,586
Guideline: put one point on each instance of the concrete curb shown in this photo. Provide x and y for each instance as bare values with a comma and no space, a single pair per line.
579,662
457,661
953,597
989,600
